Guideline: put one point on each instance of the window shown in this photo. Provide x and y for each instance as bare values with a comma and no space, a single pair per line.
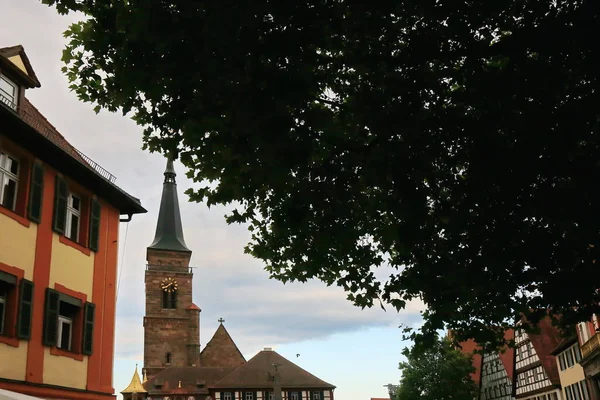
294,396
569,357
169,299
583,331
9,92
8,300
9,179
3,296
227,396
249,396
73,217
67,312
65,330
168,358
68,323
316,396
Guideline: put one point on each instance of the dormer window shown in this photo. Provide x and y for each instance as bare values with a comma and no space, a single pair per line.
9,92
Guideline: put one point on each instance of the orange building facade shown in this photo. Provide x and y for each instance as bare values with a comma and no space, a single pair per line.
59,224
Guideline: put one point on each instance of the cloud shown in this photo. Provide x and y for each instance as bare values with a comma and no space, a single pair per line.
227,283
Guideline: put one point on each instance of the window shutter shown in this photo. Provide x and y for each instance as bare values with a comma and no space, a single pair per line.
51,317
88,328
36,192
94,225
25,309
60,205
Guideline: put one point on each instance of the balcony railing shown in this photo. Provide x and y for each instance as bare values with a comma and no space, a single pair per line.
44,130
592,344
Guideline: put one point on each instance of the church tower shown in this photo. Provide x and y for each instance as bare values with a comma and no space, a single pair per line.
172,320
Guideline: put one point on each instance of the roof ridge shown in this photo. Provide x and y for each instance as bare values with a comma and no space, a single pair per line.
293,363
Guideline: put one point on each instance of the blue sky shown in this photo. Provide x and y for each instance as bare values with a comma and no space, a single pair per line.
356,350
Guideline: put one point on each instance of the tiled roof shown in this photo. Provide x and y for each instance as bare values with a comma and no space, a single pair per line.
564,344
469,347
189,377
508,357
35,118
544,342
257,373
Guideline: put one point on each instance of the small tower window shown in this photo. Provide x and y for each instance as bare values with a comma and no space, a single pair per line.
169,299
168,358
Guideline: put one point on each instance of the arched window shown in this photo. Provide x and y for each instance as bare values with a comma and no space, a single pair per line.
169,299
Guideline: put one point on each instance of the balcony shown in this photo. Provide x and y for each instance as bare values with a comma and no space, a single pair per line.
591,345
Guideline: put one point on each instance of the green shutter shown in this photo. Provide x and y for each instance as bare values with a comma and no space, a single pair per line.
25,309
88,328
51,317
60,205
94,225
36,193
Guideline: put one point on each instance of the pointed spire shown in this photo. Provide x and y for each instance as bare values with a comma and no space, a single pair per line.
169,232
136,385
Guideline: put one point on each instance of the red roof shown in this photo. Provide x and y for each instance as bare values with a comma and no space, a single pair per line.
508,357
193,307
544,343
469,347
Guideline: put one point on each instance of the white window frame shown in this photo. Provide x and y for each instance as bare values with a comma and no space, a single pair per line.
62,321
585,333
249,396
296,397
227,396
71,212
4,95
316,396
6,175
3,302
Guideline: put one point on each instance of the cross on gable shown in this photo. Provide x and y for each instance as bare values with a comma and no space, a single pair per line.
221,320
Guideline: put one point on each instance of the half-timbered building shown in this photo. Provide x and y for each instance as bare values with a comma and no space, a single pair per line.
536,370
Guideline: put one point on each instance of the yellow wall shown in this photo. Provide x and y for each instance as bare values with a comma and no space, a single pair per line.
570,375
64,371
18,62
15,369
17,249
71,268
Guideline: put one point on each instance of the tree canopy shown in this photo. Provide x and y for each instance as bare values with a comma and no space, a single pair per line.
440,372
453,141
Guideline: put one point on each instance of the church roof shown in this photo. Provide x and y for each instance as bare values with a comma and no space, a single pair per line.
169,231
221,351
136,384
186,379
258,372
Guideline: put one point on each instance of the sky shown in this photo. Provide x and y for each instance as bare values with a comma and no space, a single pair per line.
312,325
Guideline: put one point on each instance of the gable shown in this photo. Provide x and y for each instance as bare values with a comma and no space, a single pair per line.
221,351
18,61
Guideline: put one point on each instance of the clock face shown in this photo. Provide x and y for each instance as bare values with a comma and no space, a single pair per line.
169,285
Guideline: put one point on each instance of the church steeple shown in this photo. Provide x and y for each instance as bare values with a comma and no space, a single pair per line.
169,232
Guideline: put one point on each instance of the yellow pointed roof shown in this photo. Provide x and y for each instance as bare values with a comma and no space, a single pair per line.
136,385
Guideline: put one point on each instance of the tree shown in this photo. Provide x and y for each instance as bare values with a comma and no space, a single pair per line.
437,373
454,141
